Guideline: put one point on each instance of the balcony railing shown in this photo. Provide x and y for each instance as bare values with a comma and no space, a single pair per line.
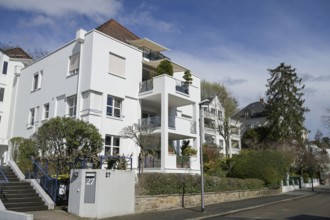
171,121
182,87
193,127
146,85
153,121
152,55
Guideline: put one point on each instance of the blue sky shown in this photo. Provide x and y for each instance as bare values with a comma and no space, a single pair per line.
229,41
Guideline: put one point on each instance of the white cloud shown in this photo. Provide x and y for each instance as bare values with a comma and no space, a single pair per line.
36,21
98,10
142,16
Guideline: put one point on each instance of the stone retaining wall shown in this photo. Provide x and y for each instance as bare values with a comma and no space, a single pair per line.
157,203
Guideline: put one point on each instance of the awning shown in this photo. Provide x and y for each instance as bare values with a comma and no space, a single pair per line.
145,42
155,63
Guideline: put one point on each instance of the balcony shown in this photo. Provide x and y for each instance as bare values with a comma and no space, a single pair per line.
153,122
181,125
182,87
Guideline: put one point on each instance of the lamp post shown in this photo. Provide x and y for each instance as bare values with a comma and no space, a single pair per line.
201,126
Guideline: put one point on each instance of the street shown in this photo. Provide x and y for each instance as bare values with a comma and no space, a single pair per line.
312,207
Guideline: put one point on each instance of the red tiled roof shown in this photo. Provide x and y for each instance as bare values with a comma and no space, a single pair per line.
116,30
17,53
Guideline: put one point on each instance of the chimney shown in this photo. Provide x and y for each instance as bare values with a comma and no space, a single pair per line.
80,35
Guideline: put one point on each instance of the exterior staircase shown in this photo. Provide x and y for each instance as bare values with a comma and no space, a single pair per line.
18,195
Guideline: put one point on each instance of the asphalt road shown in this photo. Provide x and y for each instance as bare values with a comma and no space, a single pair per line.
316,206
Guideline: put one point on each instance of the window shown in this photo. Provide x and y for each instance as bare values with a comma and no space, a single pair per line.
220,143
112,144
46,111
2,94
116,64
5,67
35,81
220,114
36,84
32,116
213,111
114,106
74,64
72,105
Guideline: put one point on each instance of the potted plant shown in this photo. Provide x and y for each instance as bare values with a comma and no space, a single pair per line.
164,67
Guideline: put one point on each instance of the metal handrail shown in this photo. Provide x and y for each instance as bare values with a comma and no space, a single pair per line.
6,180
47,179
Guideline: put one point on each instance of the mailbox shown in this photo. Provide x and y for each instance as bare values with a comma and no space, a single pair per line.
90,183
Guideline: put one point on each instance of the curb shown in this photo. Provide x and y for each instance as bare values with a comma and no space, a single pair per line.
249,208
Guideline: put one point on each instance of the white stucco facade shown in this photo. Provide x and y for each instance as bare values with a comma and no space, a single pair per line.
213,115
98,79
9,67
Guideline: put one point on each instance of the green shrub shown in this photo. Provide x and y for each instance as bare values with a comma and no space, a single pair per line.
166,184
164,67
269,166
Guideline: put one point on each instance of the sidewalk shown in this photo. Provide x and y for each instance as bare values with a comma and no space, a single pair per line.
190,213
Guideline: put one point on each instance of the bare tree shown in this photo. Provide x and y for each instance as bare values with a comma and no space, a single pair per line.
143,135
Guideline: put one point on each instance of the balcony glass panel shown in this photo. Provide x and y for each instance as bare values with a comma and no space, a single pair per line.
153,121
182,87
146,85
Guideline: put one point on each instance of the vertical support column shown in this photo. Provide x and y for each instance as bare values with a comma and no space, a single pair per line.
164,130
199,129
230,139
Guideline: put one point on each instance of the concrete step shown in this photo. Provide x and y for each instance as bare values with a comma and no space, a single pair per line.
29,208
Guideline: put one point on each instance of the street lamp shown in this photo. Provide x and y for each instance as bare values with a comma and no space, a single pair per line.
201,122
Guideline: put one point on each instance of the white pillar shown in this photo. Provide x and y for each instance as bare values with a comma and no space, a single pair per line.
164,130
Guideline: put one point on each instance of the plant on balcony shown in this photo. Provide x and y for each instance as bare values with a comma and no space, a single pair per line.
164,67
187,77
187,150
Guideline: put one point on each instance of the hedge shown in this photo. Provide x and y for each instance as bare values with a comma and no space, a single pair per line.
269,166
167,184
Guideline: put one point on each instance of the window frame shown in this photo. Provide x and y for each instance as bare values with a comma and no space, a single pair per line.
45,114
111,146
36,81
5,67
2,94
72,100
74,66
114,106
32,117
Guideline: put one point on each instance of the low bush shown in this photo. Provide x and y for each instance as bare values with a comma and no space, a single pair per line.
167,184
269,166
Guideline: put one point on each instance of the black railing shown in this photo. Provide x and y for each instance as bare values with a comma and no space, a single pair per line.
151,162
3,178
182,162
48,183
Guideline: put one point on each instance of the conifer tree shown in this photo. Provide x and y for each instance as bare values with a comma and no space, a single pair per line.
285,104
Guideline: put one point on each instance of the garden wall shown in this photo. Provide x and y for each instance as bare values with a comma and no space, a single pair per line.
157,203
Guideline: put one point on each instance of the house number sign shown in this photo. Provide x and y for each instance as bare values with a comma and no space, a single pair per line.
90,183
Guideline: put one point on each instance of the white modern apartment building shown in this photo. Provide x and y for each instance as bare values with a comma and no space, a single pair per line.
104,77
213,115
11,62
